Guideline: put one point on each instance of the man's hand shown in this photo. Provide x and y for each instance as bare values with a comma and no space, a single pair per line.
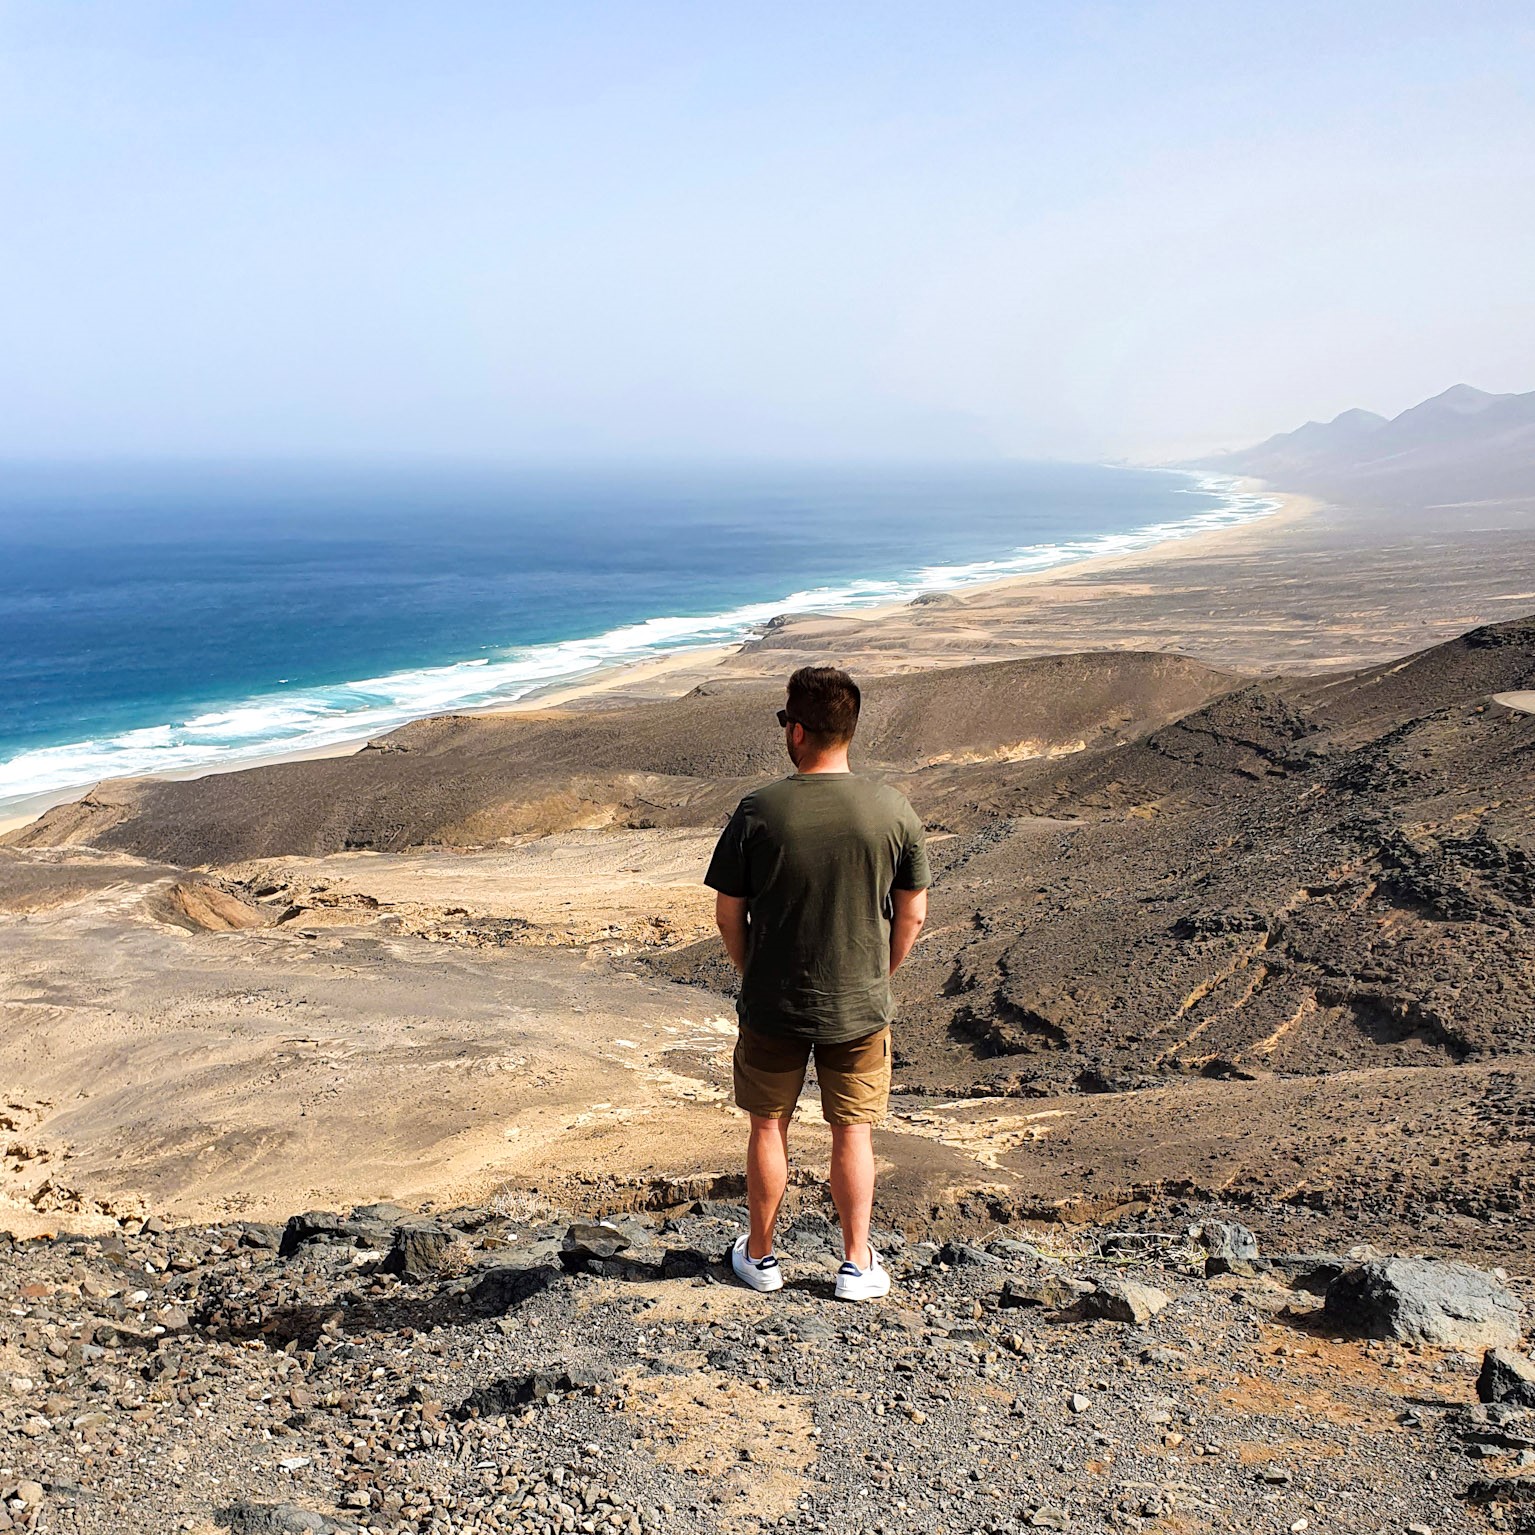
909,913
730,919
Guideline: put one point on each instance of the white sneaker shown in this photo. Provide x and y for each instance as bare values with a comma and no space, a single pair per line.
755,1273
854,1283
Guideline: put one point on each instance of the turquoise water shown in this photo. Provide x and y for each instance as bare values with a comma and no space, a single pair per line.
157,618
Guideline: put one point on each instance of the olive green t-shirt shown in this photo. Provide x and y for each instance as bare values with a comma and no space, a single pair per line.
816,856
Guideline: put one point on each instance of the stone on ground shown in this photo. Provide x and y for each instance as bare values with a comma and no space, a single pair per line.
417,1251
1230,1248
1506,1377
1125,1300
599,1240
1423,1300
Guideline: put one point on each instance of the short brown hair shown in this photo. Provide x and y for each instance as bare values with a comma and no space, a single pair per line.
825,700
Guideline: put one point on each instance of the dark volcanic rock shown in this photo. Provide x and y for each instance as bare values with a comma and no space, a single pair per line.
386,1407
279,1519
514,1391
506,1286
1420,1300
1229,1249
327,1226
1506,1377
584,1242
417,1250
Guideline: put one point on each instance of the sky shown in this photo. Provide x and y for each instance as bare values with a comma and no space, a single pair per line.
503,230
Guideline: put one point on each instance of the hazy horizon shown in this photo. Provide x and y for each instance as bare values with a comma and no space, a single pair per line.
604,234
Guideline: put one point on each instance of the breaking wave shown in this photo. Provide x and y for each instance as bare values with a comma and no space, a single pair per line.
299,720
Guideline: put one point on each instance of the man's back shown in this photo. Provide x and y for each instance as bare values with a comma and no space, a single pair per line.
816,856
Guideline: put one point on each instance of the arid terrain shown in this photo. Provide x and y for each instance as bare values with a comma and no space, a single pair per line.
1234,918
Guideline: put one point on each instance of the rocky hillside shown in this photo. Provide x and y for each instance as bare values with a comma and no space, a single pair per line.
1306,877
1296,920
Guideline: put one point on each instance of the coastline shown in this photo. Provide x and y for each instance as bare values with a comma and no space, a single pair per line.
510,912
673,672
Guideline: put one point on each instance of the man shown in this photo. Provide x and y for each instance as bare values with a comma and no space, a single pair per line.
820,884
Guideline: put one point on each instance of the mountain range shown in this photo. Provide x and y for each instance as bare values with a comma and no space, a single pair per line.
1464,445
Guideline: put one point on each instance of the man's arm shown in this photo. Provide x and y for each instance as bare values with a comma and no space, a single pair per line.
730,918
909,912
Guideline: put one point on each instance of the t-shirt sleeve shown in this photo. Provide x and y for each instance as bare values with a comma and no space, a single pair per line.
727,868
912,872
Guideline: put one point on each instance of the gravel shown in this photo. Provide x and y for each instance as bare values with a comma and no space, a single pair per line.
613,1378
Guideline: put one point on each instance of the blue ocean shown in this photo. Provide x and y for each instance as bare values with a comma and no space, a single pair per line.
189,616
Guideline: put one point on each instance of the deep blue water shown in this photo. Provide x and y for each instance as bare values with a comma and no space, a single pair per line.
158,617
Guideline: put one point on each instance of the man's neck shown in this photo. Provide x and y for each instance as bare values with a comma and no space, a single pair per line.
825,762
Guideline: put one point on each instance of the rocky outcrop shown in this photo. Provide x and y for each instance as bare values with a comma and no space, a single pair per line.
1420,1300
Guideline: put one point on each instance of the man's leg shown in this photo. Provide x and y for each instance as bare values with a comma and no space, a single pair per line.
767,1176
852,1187
855,1095
769,1073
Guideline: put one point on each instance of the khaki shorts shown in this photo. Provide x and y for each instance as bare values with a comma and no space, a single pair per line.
854,1076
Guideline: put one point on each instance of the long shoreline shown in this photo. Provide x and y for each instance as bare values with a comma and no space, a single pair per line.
622,674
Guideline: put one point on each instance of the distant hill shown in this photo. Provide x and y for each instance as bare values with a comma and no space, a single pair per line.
1462,445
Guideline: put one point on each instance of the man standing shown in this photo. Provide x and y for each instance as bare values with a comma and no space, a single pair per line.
820,884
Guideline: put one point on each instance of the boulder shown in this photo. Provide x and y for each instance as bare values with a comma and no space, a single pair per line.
327,1226
418,1250
1506,1377
260,1235
1230,1249
1125,1300
1424,1300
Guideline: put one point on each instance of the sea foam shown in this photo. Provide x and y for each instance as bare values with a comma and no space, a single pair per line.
299,720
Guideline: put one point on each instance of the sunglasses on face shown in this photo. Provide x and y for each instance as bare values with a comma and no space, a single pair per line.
786,719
